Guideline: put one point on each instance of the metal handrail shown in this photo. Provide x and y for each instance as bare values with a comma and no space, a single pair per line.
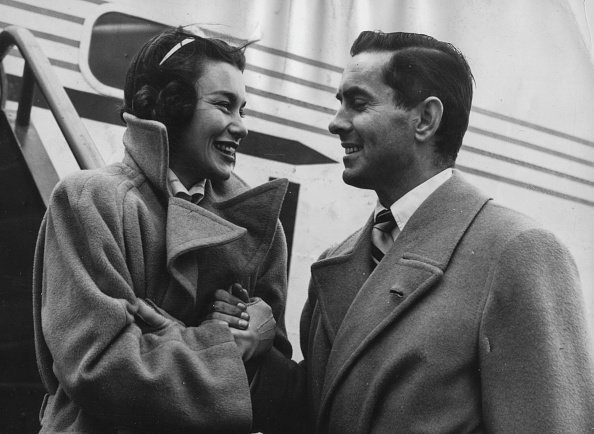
39,70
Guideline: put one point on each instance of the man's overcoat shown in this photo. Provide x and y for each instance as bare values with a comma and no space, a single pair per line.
472,322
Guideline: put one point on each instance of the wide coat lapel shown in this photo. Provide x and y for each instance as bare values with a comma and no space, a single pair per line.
191,227
337,280
234,234
257,210
411,268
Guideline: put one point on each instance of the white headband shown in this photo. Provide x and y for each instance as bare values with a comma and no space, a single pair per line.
175,48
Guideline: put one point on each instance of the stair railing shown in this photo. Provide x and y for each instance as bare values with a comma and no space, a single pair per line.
38,70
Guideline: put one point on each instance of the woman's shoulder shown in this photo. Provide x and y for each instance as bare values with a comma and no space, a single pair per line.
109,182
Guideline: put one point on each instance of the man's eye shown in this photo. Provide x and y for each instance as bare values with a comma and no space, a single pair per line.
358,104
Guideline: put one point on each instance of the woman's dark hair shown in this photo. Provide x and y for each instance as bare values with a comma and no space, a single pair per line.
420,67
165,91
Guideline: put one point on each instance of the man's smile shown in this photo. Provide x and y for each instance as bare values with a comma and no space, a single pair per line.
349,148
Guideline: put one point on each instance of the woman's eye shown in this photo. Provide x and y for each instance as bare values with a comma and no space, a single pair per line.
224,104
228,107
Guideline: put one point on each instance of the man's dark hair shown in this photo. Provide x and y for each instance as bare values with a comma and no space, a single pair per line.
164,90
420,67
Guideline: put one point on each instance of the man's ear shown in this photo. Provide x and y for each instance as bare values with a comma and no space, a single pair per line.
430,111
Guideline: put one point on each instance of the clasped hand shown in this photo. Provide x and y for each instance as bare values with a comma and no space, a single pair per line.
250,320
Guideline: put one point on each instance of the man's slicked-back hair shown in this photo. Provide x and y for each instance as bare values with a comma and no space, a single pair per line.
420,67
165,90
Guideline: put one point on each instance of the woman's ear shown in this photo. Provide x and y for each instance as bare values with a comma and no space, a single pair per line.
430,111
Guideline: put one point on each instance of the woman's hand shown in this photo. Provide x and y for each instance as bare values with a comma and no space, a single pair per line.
259,336
252,324
231,307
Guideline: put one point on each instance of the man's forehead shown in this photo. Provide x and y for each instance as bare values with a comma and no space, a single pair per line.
364,71
368,60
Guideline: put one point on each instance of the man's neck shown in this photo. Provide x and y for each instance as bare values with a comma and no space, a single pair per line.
406,206
391,194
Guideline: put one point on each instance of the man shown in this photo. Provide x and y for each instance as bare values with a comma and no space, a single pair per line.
473,320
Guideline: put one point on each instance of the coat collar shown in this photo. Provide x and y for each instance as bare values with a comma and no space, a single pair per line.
235,222
217,243
147,144
213,223
358,309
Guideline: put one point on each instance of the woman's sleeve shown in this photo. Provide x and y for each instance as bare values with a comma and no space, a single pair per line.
106,360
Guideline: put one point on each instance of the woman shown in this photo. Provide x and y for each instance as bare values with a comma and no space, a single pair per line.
129,257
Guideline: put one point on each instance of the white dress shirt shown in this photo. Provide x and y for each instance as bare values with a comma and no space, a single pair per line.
405,207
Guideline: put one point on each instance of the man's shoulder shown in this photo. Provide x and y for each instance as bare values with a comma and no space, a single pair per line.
493,213
498,217
511,232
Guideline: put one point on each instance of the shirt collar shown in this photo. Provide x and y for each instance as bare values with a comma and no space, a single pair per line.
176,186
405,207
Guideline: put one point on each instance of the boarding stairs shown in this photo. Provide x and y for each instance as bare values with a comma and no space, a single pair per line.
27,177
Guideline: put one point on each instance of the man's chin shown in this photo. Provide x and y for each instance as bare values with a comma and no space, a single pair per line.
351,178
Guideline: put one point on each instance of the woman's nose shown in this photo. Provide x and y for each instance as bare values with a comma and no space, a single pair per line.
238,129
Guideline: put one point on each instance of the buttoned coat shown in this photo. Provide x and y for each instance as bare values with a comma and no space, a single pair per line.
116,235
472,322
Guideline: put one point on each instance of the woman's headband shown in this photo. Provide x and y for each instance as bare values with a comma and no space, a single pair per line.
175,48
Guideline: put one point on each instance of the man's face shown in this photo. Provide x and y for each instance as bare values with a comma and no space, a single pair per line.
377,136
207,146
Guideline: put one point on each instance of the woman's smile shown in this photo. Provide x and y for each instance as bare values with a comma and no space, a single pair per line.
227,148
208,145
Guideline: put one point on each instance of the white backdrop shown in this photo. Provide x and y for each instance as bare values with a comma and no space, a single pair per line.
533,61
531,138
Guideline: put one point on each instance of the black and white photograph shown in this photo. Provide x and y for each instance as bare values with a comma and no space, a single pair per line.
297,216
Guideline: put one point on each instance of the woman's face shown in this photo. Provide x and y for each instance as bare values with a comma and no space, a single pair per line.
206,148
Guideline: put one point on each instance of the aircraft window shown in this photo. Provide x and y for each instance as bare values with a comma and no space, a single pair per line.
115,39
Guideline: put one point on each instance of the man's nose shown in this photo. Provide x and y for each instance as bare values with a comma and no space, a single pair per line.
339,124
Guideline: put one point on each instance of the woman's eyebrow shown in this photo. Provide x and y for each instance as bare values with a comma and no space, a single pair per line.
232,97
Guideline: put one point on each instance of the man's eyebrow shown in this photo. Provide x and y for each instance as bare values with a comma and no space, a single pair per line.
352,92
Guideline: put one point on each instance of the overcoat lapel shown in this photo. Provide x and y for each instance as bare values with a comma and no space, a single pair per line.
340,277
256,210
409,270
249,219
189,228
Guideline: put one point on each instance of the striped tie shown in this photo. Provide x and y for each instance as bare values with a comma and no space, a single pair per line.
381,235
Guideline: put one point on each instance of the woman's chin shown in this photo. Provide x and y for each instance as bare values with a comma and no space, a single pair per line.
222,174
